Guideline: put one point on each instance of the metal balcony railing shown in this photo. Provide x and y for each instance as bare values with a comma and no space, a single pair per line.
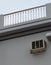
24,15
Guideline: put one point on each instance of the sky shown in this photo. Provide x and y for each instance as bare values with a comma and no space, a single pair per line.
8,6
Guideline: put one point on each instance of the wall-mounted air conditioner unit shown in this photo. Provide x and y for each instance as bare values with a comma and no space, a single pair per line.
38,46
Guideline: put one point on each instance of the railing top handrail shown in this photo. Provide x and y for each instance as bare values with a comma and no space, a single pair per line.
24,10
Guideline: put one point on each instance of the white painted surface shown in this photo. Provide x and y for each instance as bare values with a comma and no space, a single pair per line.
17,51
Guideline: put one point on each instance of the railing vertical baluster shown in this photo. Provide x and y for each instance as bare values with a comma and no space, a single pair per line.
33,13
28,15
37,13
41,12
45,11
10,19
18,17
23,16
6,21
15,18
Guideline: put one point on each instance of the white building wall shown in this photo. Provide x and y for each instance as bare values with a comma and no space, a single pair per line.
17,51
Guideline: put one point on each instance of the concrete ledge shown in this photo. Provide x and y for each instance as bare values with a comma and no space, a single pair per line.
28,29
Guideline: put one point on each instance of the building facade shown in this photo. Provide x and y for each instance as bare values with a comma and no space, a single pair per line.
17,32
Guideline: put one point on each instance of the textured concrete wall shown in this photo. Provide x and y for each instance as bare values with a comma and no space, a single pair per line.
17,51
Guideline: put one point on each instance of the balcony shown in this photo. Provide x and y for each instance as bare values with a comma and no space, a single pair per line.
25,20
24,15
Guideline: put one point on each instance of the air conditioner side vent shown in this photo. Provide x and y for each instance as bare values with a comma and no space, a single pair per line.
38,46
